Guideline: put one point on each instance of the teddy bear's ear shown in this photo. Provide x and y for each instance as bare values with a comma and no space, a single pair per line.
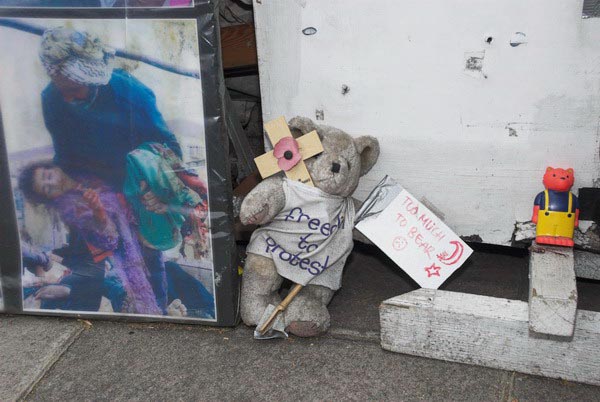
368,148
549,168
301,125
570,170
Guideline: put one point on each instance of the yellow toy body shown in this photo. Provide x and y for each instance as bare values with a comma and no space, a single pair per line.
555,223
556,209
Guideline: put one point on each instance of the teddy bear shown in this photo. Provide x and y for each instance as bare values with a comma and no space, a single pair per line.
556,209
306,233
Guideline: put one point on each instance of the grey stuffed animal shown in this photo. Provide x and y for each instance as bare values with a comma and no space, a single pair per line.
306,233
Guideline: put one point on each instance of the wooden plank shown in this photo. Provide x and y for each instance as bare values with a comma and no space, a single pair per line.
587,265
487,331
277,129
300,173
310,145
267,164
238,46
552,290
245,156
586,236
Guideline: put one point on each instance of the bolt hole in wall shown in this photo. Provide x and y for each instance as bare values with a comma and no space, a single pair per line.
517,39
309,31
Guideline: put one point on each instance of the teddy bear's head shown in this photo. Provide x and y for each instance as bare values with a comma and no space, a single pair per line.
558,179
344,159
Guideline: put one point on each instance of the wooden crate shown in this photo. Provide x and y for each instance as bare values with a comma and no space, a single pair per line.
546,336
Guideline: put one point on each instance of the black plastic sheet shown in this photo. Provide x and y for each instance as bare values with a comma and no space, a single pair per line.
133,205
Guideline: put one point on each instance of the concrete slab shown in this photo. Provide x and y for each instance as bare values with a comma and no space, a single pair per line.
114,361
29,346
531,388
370,277
173,362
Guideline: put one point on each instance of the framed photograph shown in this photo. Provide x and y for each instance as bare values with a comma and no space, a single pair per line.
116,165
96,3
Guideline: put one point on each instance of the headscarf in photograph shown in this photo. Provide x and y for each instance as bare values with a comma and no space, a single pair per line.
78,56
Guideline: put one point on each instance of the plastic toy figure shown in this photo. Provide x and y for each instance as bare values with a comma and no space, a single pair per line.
556,209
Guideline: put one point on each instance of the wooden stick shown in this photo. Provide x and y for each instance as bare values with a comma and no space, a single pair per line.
281,307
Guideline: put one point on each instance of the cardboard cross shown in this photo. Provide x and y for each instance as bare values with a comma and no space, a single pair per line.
309,146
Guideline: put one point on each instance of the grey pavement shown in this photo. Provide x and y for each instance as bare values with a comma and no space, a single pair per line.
67,359
28,348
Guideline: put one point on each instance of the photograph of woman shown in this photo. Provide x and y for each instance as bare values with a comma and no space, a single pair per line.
96,3
108,165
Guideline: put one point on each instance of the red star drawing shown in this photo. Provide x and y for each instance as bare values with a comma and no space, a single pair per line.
433,270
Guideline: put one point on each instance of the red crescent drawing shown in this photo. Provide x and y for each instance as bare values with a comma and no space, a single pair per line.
456,254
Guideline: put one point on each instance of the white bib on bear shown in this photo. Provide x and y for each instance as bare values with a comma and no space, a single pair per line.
310,239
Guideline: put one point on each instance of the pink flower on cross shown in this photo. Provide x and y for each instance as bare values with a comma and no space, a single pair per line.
287,153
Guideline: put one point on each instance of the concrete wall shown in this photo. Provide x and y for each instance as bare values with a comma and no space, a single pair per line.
466,121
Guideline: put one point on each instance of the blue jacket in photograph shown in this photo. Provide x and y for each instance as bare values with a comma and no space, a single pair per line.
96,138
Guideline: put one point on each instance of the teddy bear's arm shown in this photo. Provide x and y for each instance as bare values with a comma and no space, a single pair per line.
263,203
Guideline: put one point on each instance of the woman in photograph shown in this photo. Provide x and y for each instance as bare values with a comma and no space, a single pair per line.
96,115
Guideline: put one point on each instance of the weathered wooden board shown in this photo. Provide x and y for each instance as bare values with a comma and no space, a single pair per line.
487,331
552,290
586,236
587,265
464,119
238,46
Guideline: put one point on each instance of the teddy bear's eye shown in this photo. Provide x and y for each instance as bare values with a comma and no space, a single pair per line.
553,175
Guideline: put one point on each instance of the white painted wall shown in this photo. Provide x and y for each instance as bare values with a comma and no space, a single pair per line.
445,132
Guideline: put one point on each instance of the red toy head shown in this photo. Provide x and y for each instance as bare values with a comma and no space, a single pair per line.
558,179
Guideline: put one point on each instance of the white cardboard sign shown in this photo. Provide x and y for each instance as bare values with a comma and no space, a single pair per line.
416,240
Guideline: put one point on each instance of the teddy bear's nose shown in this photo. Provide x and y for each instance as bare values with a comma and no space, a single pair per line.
335,167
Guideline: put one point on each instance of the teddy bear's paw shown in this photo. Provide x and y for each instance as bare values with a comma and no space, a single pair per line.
255,217
306,329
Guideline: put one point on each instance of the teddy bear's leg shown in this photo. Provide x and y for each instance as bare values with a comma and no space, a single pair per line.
307,314
260,286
